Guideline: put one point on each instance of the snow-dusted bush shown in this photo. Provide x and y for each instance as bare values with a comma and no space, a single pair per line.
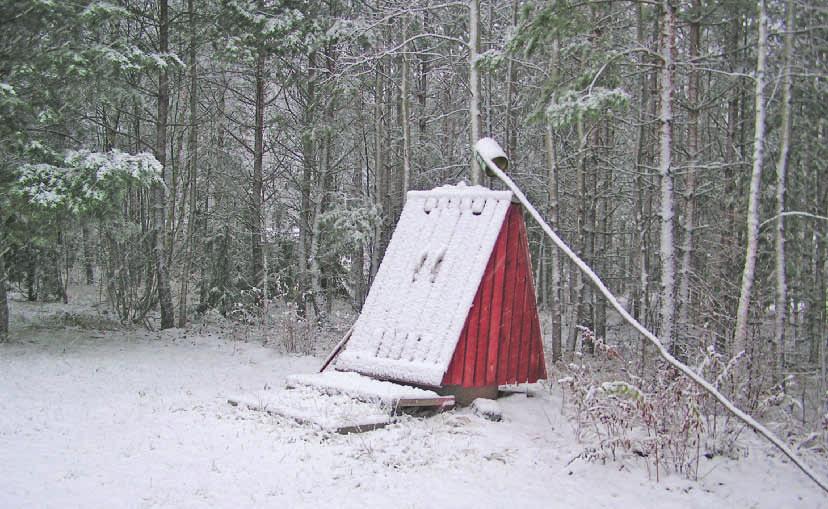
297,333
662,417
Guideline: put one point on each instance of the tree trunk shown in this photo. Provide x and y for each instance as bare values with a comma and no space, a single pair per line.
684,335
379,173
358,255
192,162
309,170
556,308
555,291
406,176
209,267
724,258
781,304
422,86
314,268
474,86
667,247
640,295
742,312
579,311
159,192
511,122
817,312
603,239
4,301
256,253
88,254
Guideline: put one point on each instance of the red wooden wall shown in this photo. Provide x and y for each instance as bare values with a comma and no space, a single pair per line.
501,340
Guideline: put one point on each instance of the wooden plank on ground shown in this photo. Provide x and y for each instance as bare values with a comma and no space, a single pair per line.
442,402
338,414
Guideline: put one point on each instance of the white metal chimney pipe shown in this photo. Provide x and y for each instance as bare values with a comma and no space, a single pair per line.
491,153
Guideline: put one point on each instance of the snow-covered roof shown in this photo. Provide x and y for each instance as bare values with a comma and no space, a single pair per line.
421,295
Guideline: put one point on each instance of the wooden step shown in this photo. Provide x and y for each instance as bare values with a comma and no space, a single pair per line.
338,413
395,396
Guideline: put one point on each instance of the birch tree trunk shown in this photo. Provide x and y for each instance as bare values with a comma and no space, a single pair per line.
192,161
552,186
740,335
379,171
556,308
781,304
667,247
474,85
159,192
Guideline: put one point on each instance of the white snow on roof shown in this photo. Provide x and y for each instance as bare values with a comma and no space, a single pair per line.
421,295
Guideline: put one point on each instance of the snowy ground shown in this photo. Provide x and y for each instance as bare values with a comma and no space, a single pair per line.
139,419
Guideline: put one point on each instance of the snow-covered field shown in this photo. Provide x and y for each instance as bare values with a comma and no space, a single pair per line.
140,419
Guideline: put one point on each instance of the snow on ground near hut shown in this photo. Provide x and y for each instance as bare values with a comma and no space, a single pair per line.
137,419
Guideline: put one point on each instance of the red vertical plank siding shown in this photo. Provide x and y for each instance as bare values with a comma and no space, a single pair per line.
499,270
454,372
508,298
536,346
521,369
529,313
536,366
517,305
485,292
471,342
501,342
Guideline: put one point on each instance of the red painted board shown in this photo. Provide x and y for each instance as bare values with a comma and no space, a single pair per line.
517,306
499,271
454,372
482,338
509,284
530,314
471,342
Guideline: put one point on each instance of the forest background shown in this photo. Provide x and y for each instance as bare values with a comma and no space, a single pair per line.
227,155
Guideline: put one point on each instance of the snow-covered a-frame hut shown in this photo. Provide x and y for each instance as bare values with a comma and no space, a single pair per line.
452,305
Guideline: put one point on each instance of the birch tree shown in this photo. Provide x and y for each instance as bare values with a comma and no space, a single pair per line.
474,85
749,270
781,302
667,247
192,167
